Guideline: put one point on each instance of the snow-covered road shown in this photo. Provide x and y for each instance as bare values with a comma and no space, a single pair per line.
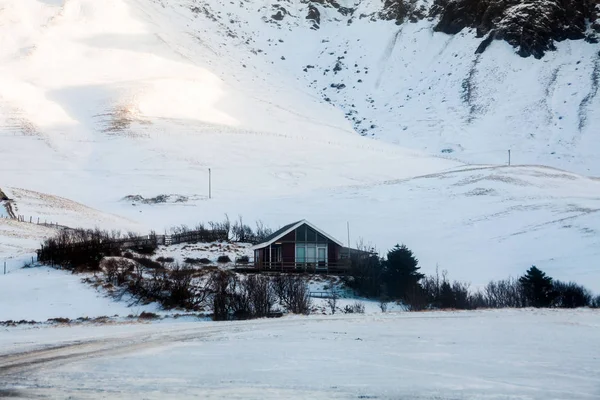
524,354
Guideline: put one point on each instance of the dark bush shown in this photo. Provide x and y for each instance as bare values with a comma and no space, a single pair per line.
355,308
595,303
148,263
196,261
223,259
148,315
220,284
117,270
365,275
80,249
570,295
243,260
416,299
145,249
180,289
59,320
165,259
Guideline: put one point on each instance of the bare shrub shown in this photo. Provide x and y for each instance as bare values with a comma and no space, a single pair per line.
241,232
165,259
148,263
293,293
116,270
332,301
80,249
224,226
383,304
355,308
416,299
220,286
262,232
595,303
505,293
148,315
262,296
570,295
180,289
366,272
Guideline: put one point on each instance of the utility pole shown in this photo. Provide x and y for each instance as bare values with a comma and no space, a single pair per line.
509,157
348,227
209,184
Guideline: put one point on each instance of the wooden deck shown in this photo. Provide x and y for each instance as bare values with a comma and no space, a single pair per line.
330,268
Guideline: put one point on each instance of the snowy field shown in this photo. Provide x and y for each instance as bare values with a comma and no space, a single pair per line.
507,354
42,293
100,100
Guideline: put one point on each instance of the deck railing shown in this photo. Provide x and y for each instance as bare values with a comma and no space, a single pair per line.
340,266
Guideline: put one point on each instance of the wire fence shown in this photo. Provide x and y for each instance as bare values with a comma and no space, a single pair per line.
11,264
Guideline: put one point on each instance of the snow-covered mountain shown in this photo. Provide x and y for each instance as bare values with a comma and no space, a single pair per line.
397,117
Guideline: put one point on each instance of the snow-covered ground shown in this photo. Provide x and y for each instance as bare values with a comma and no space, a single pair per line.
42,293
103,100
506,354
211,251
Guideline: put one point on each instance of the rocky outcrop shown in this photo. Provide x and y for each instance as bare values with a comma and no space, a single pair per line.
280,12
531,26
401,10
314,15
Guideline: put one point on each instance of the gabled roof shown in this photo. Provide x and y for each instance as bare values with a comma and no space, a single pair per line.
272,238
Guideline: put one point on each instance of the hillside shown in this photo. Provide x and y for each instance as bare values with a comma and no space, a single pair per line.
394,125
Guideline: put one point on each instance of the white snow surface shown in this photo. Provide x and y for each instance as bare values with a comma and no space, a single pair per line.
211,251
38,294
507,354
101,100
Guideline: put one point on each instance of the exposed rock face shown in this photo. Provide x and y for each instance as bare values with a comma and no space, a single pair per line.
532,26
401,10
314,15
280,13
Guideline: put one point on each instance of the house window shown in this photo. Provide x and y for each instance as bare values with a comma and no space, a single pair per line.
311,235
311,253
301,234
300,253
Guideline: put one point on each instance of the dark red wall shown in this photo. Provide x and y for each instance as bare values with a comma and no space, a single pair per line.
288,252
334,251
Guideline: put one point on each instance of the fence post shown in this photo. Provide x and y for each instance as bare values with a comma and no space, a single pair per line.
4,267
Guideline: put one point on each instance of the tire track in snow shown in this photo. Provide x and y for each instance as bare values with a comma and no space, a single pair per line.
18,363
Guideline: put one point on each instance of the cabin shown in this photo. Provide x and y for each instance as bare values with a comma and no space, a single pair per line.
300,246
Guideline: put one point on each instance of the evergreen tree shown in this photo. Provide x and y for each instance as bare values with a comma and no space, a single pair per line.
446,299
537,287
401,272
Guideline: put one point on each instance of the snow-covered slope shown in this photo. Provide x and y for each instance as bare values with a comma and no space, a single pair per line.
102,100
